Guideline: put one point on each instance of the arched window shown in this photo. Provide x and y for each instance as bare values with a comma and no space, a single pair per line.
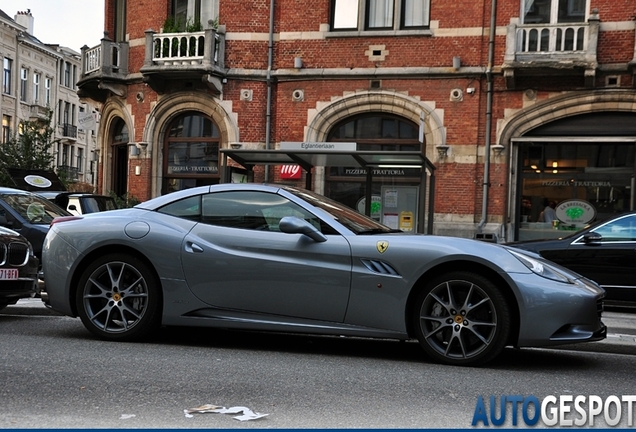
191,152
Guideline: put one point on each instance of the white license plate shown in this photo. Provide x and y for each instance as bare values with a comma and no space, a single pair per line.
8,274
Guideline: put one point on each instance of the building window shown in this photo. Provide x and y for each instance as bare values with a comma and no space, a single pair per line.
554,11
36,88
379,14
192,149
24,76
188,13
47,92
6,78
67,75
6,128
80,158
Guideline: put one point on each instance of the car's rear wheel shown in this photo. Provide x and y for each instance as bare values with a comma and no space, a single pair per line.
119,298
461,318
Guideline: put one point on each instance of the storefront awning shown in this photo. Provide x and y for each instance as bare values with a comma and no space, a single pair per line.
308,159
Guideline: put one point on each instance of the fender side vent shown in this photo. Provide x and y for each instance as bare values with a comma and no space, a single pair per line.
379,267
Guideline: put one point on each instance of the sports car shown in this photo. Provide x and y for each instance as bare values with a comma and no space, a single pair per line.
279,258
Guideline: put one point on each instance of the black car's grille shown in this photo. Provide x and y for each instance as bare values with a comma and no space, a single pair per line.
15,254
379,267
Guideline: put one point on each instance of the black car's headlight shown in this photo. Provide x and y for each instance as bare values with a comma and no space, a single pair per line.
541,268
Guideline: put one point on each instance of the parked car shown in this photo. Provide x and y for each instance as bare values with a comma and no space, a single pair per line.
277,258
604,252
18,268
29,214
81,203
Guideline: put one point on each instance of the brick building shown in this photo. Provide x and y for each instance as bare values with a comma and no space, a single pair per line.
538,107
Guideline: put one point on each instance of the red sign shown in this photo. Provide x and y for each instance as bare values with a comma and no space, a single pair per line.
290,172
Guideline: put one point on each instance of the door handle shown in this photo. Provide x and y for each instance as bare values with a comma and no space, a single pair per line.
193,248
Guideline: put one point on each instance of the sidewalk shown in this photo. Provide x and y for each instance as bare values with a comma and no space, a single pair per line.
620,326
28,306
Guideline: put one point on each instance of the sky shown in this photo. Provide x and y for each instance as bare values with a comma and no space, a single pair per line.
70,23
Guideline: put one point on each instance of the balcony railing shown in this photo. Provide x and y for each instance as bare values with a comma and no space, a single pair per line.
71,173
69,130
552,38
108,58
556,49
193,56
38,112
575,42
203,48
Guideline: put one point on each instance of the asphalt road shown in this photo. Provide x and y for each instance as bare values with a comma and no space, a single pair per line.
56,375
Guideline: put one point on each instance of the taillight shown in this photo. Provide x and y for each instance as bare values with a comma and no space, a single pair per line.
64,219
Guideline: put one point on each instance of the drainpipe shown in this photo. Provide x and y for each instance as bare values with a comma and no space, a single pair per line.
489,92
270,57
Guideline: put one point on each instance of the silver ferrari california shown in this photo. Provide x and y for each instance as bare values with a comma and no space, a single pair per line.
277,258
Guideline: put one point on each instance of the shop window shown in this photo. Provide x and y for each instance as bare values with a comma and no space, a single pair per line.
395,187
597,173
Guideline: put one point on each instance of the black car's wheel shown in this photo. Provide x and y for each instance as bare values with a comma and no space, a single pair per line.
118,298
461,318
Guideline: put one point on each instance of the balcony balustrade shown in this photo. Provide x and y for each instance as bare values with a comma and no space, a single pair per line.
551,49
69,131
196,56
104,70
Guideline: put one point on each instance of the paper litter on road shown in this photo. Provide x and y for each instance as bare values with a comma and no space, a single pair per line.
246,413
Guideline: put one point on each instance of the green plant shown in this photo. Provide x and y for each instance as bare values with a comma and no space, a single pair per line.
173,25
193,26
124,201
30,149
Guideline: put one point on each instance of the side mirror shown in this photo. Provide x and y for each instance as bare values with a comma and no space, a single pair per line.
592,238
294,225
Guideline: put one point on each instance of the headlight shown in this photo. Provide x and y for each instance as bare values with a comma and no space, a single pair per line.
541,268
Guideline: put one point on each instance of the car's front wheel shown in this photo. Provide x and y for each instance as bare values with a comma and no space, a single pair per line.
119,298
461,318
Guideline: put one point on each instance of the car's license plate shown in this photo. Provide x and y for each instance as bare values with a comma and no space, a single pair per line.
8,274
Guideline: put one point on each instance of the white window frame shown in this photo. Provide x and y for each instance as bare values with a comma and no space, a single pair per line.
24,82
36,87
47,91
7,75
554,9
360,22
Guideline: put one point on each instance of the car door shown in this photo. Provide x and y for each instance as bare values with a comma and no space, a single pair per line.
236,258
607,255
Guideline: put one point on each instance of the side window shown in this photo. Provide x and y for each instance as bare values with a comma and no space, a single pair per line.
251,210
620,230
188,208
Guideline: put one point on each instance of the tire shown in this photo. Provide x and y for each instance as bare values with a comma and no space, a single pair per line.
461,318
119,298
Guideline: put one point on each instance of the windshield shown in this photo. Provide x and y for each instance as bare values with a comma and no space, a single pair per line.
34,209
354,221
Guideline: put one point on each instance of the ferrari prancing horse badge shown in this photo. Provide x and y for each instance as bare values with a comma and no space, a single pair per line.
382,246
